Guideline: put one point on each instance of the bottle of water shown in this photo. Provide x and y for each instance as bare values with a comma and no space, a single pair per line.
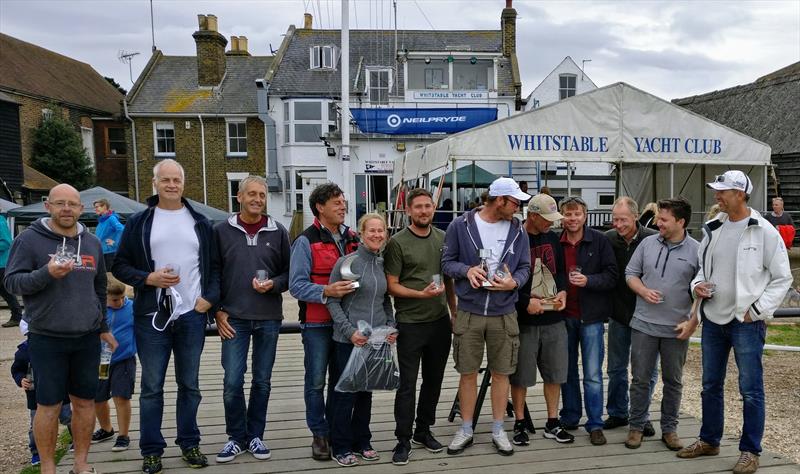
105,361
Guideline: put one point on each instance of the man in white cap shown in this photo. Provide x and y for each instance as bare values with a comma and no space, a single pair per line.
542,331
486,253
744,275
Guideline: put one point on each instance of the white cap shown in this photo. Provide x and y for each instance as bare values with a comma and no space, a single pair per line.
545,206
733,179
507,187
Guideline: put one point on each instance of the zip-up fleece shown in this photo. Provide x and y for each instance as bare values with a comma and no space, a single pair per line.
239,256
763,275
72,306
461,244
134,259
370,302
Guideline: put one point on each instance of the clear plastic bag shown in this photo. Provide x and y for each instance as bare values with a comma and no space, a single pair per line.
372,366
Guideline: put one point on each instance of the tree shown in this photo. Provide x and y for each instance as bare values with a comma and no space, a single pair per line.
58,152
115,84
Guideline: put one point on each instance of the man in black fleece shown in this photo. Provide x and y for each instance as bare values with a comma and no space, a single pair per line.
65,310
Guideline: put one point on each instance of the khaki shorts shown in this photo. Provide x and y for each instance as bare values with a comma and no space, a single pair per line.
500,334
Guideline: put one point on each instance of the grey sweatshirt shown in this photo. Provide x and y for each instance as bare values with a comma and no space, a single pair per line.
72,306
370,302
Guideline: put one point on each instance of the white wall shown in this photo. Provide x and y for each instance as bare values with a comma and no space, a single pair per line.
547,91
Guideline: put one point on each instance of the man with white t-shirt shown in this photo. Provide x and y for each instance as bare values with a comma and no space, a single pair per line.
744,275
166,254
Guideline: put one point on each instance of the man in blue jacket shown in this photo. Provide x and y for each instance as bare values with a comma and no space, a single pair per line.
486,253
169,246
109,229
592,272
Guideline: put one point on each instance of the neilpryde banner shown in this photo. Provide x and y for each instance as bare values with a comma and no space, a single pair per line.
421,121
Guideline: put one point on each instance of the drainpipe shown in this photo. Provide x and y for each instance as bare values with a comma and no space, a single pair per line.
203,155
135,154
270,138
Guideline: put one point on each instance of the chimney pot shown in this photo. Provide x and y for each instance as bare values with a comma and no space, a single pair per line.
212,22
243,44
308,21
234,43
508,4
202,22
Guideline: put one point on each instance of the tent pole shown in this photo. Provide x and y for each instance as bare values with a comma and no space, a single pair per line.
672,180
617,180
703,182
454,188
653,196
569,180
766,185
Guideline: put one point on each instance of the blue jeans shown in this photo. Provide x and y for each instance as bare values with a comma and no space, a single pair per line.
243,423
64,417
184,338
318,350
350,412
619,358
747,341
590,339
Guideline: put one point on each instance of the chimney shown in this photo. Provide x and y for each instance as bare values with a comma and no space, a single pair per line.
508,26
308,21
243,46
238,46
210,51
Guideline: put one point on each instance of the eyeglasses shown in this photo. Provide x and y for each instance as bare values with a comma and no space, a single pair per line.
513,201
63,204
720,178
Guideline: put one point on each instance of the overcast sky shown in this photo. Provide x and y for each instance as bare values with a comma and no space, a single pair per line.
669,48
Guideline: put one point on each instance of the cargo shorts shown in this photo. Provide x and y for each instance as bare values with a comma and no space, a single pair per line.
500,335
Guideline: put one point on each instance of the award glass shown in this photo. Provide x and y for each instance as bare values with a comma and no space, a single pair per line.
485,255
543,286
347,272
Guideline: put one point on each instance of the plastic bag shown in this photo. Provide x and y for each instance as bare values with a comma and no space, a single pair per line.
372,366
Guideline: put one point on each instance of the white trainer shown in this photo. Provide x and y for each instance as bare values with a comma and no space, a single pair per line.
460,442
503,445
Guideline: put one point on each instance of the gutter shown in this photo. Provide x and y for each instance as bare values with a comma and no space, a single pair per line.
270,138
203,157
135,154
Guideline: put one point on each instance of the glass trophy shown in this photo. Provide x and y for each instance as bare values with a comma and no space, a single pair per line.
485,255
347,272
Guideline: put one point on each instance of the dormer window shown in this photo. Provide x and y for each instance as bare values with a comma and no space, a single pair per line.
324,57
379,83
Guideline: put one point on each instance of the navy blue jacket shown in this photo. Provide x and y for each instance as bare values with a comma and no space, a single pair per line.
134,260
598,262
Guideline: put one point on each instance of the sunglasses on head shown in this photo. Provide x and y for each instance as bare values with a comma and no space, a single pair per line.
573,199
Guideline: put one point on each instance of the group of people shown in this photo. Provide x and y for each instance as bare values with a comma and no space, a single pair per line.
532,300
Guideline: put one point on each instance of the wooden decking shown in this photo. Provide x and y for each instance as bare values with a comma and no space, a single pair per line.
289,439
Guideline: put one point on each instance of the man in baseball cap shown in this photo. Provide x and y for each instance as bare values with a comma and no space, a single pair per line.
733,179
507,187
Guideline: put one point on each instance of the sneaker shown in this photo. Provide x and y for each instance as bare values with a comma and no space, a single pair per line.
559,434
634,440
368,454
229,452
427,440
151,465
461,441
258,449
529,426
401,453
698,448
346,460
102,435
747,463
648,429
569,427
520,434
35,461
597,438
615,422
500,441
121,444
194,458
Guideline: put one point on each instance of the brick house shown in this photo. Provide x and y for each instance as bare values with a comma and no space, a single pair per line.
38,82
201,111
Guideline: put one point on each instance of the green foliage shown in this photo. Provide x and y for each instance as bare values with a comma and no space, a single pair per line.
784,334
58,152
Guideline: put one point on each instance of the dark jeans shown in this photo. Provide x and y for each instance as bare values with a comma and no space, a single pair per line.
589,337
11,300
245,422
184,338
619,358
747,342
428,343
350,413
647,350
318,350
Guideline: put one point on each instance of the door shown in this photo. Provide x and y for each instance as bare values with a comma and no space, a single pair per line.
373,194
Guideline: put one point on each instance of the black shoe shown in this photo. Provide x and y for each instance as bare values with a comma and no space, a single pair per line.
194,458
121,444
614,422
648,429
401,453
11,323
569,427
529,426
558,433
520,434
427,440
151,465
102,435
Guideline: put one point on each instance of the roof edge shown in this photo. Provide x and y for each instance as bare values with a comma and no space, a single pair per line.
277,59
740,89
144,75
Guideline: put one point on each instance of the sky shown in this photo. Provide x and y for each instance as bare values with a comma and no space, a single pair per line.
669,48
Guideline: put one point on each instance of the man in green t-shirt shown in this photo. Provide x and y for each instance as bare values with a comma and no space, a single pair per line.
412,262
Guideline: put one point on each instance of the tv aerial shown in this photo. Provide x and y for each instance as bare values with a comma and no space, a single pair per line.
127,57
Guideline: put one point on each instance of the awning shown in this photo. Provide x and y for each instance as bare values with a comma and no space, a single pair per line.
467,176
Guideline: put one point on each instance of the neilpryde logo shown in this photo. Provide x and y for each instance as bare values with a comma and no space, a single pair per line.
393,120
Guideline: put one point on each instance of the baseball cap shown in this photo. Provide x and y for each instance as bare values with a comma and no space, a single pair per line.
545,206
507,187
733,179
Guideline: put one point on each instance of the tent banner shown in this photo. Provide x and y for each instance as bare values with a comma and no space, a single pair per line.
398,121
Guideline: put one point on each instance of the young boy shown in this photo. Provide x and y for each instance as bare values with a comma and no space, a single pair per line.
22,373
122,373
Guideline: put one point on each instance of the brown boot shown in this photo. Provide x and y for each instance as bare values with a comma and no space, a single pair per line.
634,439
672,441
320,450
747,464
597,438
698,448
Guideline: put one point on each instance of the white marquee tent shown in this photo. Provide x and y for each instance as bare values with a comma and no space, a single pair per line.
659,149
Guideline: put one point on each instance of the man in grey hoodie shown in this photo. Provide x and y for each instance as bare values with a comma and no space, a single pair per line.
64,294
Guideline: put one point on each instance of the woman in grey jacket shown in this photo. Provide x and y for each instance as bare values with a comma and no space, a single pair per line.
351,412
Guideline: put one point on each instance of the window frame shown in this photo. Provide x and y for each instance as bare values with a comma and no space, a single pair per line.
564,92
107,143
369,88
325,122
323,57
228,152
167,125
233,177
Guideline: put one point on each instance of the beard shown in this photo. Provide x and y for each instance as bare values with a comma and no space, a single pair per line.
422,222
